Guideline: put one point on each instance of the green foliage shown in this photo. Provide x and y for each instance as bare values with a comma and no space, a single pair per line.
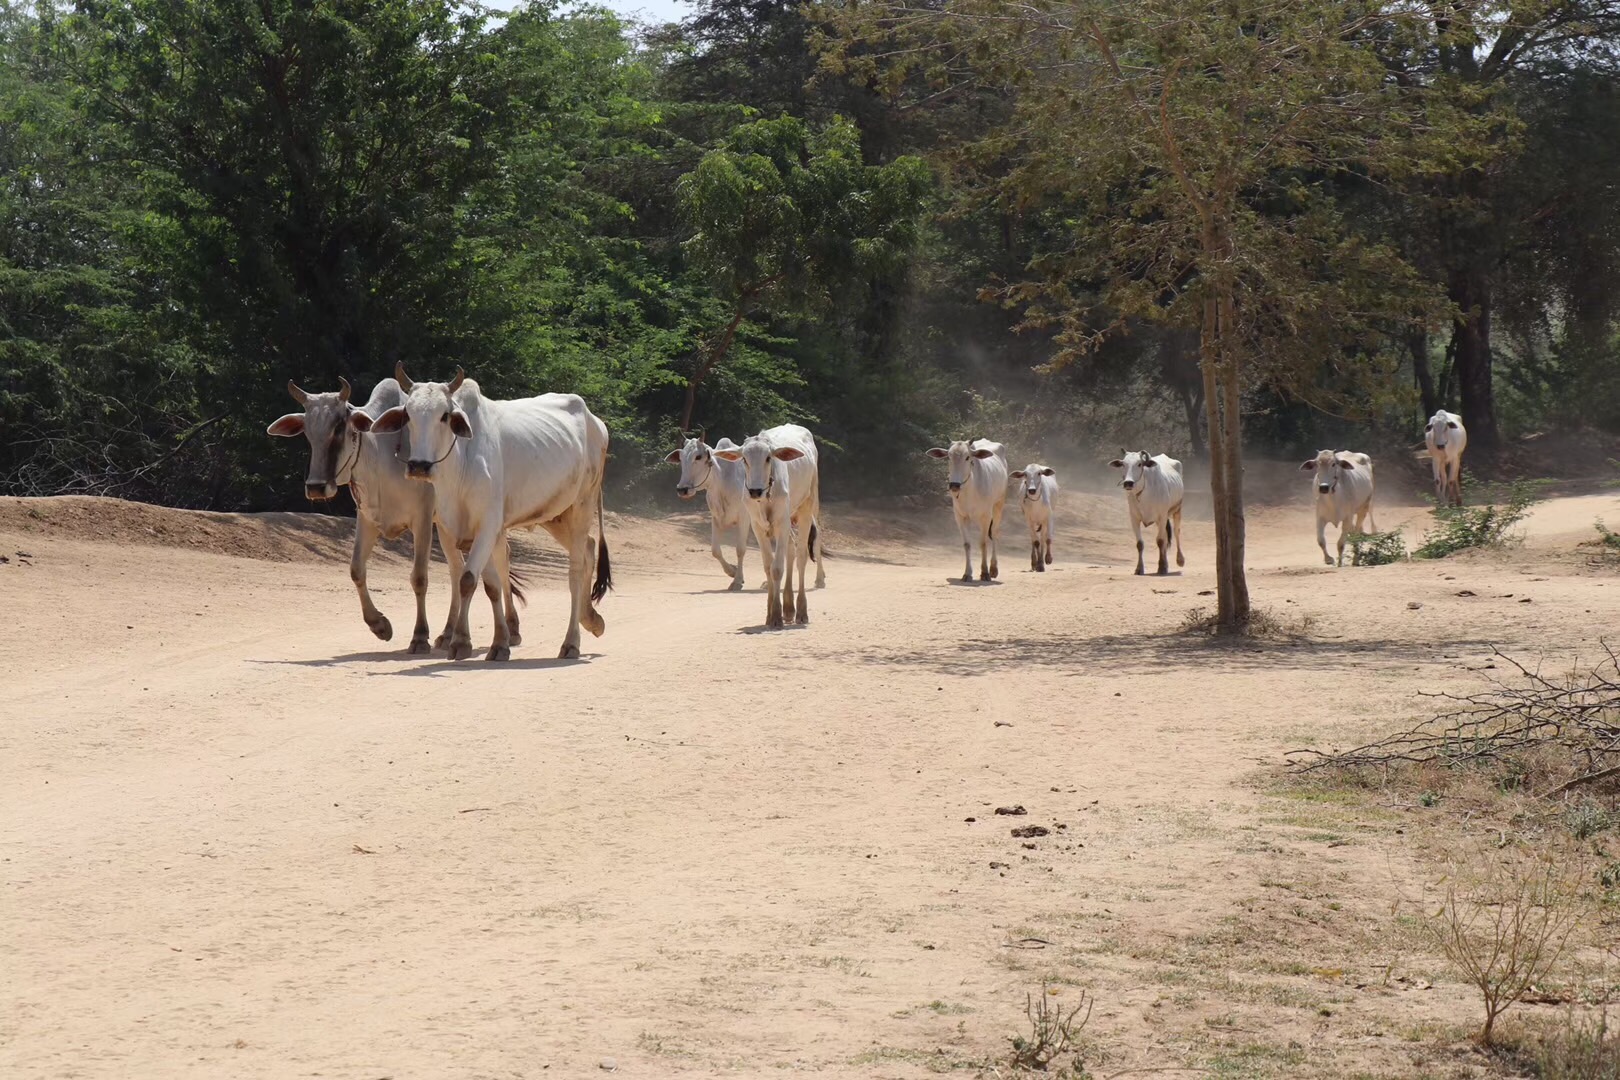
1378,549
1460,528
1608,537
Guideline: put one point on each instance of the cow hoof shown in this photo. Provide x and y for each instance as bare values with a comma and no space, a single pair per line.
442,641
499,652
1049,559
802,618
513,638
1327,561
773,621
1140,571
594,622
995,571
419,646
568,652
1040,568
821,581
736,585
968,576
787,610
460,650
984,575
382,628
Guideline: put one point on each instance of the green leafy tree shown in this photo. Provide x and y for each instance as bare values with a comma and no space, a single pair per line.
1188,148
790,220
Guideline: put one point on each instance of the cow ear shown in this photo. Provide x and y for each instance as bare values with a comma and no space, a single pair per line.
1309,466
1149,463
392,420
460,424
1343,464
673,457
1118,463
1019,475
982,453
787,453
1452,424
937,452
360,421
1046,471
732,454
287,426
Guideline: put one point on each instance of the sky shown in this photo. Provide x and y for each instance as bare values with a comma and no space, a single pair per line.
647,11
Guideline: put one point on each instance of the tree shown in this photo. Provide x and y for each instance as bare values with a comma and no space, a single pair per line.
790,220
1189,148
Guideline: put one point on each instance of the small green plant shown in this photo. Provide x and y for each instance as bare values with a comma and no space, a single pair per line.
1587,818
1051,1032
1377,549
1458,528
1608,537
1428,798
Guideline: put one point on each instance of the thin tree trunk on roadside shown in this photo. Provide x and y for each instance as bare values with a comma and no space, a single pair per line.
1418,344
1208,364
1471,292
1232,449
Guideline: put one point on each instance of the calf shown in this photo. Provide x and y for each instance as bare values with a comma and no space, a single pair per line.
781,478
386,502
721,481
1344,491
978,486
1153,492
1040,492
1446,439
496,465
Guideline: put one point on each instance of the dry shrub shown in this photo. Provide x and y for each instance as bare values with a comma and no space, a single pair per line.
1503,922
1263,624
1583,1048
1051,1032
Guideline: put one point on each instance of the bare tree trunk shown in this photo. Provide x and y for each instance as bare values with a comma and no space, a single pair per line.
1471,292
1192,401
1418,344
1236,579
1209,363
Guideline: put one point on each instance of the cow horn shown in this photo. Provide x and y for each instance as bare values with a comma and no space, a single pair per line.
344,389
400,377
455,383
297,394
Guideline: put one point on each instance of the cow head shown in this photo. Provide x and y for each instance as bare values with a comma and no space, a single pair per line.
1136,464
1328,466
1440,427
1031,476
697,462
759,458
431,419
962,455
328,422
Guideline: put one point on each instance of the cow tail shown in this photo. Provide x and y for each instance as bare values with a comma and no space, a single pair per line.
812,538
515,581
604,567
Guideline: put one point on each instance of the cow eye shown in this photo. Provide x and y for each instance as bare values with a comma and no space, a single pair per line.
445,419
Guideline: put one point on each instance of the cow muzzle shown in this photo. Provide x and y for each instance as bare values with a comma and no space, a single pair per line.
1128,484
955,486
1324,488
419,470
756,493
683,491
319,492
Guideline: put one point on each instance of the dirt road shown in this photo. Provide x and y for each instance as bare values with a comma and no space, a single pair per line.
242,838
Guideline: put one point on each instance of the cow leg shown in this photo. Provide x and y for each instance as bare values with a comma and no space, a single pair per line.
452,559
502,561
573,531
792,542
821,540
1321,539
714,547
801,555
490,533
493,580
967,546
421,551
984,552
365,538
995,518
1046,534
1175,515
1136,527
741,543
1161,540
775,570
1035,551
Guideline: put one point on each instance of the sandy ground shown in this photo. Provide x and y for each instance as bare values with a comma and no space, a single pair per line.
242,838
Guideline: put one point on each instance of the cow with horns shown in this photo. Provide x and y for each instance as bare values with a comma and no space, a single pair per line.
495,465
386,502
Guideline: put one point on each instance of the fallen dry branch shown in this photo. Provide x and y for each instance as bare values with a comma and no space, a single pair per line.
1578,714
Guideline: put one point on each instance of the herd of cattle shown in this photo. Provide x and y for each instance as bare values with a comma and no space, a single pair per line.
422,454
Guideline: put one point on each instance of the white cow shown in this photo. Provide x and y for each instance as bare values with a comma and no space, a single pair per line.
781,476
386,502
1344,491
1040,493
497,465
721,481
978,485
1447,439
1153,492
